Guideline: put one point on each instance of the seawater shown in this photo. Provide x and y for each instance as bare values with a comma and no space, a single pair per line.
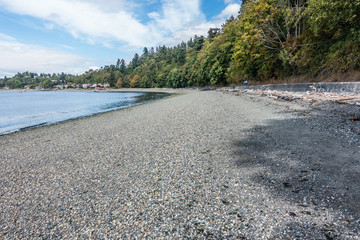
26,109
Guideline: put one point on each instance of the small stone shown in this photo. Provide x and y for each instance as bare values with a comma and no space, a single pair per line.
286,184
225,201
292,214
296,190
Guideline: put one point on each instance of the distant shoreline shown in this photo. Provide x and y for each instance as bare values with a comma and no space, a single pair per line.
41,123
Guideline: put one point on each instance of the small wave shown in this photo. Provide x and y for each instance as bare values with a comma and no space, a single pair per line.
34,126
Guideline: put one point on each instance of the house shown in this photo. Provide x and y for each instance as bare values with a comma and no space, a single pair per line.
58,86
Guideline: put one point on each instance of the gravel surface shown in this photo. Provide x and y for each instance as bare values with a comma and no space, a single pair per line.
196,165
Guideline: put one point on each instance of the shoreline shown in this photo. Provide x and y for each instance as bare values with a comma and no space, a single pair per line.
100,90
197,164
89,115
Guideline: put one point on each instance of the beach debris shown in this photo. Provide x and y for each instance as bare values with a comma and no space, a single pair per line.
311,96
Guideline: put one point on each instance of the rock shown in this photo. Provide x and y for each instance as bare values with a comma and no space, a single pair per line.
292,214
286,184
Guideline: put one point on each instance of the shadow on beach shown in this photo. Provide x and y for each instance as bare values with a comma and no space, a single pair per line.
305,163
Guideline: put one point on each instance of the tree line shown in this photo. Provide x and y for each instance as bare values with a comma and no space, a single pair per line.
269,39
33,80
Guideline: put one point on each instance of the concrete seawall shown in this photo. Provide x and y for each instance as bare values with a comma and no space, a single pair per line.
340,87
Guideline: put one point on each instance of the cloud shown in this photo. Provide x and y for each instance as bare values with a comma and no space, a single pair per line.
116,22
86,19
154,15
94,68
126,25
178,20
23,57
176,14
186,33
6,37
230,10
66,46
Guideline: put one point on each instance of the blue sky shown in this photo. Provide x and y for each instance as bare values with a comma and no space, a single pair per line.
74,36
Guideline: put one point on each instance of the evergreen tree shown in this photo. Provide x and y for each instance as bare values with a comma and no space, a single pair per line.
269,39
118,63
122,66
134,62
212,33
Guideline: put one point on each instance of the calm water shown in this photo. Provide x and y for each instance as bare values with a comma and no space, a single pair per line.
21,110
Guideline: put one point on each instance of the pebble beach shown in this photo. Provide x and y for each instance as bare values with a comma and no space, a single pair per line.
194,165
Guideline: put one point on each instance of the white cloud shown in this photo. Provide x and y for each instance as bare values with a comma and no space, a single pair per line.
186,33
66,46
154,15
230,10
179,13
113,21
94,68
19,57
6,37
114,24
86,19
179,20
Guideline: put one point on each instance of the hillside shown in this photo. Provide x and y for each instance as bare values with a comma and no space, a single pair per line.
270,41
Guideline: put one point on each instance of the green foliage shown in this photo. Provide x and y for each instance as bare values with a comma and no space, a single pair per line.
31,80
213,61
135,81
212,33
268,39
334,31
47,84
